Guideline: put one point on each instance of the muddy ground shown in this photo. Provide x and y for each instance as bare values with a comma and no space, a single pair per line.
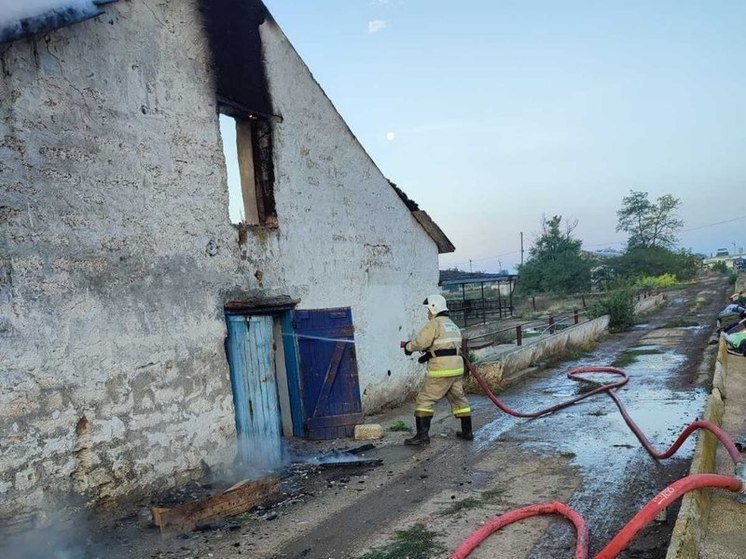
436,496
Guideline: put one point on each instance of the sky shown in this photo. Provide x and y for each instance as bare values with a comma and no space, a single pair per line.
492,113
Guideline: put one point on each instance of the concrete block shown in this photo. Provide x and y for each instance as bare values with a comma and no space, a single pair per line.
368,432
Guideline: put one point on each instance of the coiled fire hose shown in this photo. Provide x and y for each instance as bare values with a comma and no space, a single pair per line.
666,497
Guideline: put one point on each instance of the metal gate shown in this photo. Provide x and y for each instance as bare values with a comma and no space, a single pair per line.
328,366
251,359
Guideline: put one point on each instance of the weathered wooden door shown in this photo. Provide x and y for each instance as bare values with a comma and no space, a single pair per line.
328,366
250,351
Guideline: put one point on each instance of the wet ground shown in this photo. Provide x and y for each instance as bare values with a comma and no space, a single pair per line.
584,456
587,449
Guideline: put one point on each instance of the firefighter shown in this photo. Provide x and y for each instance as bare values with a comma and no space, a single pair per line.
440,342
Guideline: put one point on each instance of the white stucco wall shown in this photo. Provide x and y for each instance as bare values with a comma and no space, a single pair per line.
347,238
113,376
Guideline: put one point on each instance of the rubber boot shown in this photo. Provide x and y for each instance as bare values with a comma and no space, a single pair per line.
465,432
421,437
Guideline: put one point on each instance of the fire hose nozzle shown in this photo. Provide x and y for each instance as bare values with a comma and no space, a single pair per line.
402,344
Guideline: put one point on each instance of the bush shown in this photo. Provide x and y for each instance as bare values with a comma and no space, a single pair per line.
732,277
649,283
620,308
720,266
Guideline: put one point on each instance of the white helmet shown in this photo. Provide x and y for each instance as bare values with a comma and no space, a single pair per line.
436,304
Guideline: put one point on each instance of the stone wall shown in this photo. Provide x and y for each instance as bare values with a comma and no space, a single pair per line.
691,522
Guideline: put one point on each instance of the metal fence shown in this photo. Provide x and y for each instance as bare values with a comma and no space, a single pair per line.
519,333
479,311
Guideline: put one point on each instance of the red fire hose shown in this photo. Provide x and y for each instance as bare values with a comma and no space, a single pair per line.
623,538
649,512
577,374
581,531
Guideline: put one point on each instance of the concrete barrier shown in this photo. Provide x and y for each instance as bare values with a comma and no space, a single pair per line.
510,366
649,303
516,363
695,507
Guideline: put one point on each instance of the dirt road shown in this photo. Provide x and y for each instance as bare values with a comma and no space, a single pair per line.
435,497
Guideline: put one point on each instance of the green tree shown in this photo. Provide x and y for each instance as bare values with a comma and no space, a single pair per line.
555,263
649,224
654,261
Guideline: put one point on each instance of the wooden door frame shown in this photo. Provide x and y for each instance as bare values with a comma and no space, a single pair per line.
281,308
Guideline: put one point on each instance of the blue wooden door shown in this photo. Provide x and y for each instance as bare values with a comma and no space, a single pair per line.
328,366
250,350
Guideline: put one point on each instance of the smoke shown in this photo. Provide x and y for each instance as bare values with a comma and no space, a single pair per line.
20,18
333,459
59,535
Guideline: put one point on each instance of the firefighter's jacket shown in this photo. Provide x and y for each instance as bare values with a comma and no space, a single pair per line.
440,333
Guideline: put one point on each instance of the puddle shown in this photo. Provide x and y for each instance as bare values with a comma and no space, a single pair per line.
391,454
649,347
618,475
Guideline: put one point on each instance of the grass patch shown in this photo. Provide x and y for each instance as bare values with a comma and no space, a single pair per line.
586,386
681,323
416,542
490,496
466,504
568,354
625,359
696,304
630,356
399,426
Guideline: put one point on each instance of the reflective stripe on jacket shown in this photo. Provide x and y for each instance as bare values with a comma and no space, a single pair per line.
440,333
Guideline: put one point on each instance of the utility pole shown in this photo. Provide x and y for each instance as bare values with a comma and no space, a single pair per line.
521,248
471,269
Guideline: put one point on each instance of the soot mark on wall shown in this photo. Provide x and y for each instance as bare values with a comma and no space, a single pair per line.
232,28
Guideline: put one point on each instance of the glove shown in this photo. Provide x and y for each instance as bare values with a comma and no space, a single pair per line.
406,351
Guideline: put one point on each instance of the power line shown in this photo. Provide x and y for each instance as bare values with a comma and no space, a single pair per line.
601,244
713,224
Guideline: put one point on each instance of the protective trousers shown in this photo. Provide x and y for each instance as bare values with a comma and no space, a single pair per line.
435,389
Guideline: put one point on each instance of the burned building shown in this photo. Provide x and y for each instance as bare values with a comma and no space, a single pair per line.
141,326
